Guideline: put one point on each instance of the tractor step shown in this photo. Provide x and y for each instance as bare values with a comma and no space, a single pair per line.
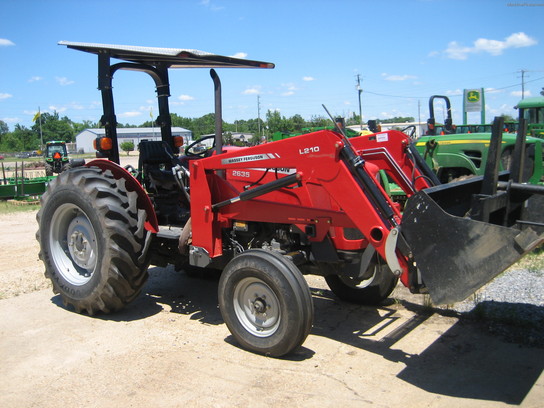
169,232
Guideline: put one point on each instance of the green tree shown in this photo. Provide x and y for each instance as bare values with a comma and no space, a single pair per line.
179,121
4,129
86,124
319,121
127,146
21,139
508,118
273,121
297,123
54,128
205,125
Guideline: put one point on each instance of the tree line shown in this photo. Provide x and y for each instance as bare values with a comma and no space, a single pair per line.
51,126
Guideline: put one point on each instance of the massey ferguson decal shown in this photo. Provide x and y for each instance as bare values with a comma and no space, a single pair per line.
253,157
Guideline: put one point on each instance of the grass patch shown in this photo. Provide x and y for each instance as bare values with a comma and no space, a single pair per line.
7,207
533,261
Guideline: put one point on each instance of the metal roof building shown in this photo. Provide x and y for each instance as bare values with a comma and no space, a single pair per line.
84,140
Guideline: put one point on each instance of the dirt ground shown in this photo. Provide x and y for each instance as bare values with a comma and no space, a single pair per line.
170,348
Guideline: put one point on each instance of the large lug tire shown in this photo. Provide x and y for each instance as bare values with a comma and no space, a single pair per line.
92,240
265,302
371,291
48,169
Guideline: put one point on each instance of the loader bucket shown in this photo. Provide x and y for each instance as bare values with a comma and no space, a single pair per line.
457,255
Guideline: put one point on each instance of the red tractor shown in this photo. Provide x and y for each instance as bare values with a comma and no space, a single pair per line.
266,215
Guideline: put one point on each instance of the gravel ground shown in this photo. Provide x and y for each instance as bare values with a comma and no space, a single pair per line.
511,306
523,286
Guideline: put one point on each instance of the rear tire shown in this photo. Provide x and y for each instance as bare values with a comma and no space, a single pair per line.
48,170
92,240
371,291
265,302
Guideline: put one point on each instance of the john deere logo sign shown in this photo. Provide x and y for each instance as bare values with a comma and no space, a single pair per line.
473,100
473,96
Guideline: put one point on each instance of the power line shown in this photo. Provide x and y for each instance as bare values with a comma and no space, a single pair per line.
419,97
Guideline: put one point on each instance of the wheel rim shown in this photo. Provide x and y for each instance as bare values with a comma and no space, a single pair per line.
257,307
73,244
359,284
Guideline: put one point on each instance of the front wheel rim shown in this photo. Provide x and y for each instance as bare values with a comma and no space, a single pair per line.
355,283
73,244
257,307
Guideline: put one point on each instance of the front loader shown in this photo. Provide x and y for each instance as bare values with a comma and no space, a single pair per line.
269,214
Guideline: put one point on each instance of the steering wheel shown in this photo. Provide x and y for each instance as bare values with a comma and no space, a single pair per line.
410,131
205,152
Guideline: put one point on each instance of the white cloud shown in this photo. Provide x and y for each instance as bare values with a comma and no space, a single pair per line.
35,79
519,94
76,106
63,81
256,90
290,89
11,120
212,7
454,92
5,95
5,42
32,113
239,55
493,90
405,77
186,98
492,47
58,109
308,78
129,114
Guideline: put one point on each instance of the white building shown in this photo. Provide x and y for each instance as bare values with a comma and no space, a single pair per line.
84,140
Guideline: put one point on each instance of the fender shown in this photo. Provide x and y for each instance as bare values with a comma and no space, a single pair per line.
151,223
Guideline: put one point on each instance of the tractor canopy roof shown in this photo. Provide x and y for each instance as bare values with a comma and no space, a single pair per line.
171,57
536,102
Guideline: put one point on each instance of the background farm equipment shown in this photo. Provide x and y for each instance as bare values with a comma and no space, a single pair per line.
56,158
453,154
19,186
268,214
532,110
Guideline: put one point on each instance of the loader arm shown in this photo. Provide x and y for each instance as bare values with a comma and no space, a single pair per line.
331,188
324,186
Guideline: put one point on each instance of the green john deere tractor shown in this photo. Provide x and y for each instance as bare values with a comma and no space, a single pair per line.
56,158
453,155
532,109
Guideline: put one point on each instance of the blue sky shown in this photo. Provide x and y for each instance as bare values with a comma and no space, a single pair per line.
403,50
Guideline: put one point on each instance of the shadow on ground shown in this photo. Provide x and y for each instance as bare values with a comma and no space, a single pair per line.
466,361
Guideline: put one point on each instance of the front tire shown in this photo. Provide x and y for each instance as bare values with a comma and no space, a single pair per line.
265,302
92,240
371,290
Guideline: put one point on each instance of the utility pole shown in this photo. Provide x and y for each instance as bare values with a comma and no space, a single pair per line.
523,71
259,115
360,91
419,118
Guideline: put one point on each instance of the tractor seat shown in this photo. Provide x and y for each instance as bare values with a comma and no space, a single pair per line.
155,153
156,162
